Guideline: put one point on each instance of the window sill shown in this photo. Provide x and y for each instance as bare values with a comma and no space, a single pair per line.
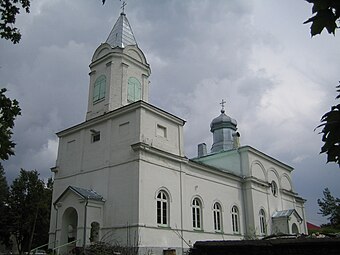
163,226
98,101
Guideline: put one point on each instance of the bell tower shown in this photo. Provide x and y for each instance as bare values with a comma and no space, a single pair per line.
119,72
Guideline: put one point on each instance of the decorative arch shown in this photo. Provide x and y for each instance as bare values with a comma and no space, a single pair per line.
258,170
199,197
101,51
166,191
286,182
274,171
217,201
136,53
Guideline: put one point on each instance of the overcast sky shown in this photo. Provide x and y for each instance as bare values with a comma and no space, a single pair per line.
257,55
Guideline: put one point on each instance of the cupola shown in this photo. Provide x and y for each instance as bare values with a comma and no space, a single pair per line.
224,132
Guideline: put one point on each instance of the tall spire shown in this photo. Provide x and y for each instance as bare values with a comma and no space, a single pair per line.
121,34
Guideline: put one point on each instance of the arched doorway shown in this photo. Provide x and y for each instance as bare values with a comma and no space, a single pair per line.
69,229
295,229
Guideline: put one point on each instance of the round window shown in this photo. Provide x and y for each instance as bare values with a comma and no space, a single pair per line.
273,187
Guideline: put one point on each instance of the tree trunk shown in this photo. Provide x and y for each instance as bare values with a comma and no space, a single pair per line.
33,230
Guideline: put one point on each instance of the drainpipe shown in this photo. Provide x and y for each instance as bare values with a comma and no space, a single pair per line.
85,218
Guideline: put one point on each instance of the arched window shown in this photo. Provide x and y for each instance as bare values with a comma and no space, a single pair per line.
262,216
196,214
217,211
162,208
235,219
134,90
99,88
273,187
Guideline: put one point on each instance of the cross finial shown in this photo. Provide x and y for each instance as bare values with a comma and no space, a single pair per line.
222,104
123,6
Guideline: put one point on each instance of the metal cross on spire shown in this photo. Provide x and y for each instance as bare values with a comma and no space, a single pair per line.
222,104
123,6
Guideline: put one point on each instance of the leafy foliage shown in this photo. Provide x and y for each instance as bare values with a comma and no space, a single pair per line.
4,233
330,206
8,11
331,133
9,109
29,210
326,14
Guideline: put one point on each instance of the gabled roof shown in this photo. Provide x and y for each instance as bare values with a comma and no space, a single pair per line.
286,213
121,34
86,194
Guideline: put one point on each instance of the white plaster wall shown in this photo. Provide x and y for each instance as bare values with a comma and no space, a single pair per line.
172,143
210,188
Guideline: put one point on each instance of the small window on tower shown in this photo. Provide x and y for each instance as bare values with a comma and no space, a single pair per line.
134,90
161,131
99,88
95,136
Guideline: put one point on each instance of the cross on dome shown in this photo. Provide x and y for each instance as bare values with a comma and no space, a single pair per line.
222,104
123,6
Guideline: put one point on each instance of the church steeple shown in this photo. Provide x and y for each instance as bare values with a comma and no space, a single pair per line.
121,34
119,72
224,132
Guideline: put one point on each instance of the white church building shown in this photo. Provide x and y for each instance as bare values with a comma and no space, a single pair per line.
122,177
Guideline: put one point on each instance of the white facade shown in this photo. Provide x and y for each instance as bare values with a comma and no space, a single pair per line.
122,175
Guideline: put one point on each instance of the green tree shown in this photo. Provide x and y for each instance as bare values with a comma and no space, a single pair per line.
25,203
8,11
43,217
4,233
9,110
331,132
326,14
330,207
